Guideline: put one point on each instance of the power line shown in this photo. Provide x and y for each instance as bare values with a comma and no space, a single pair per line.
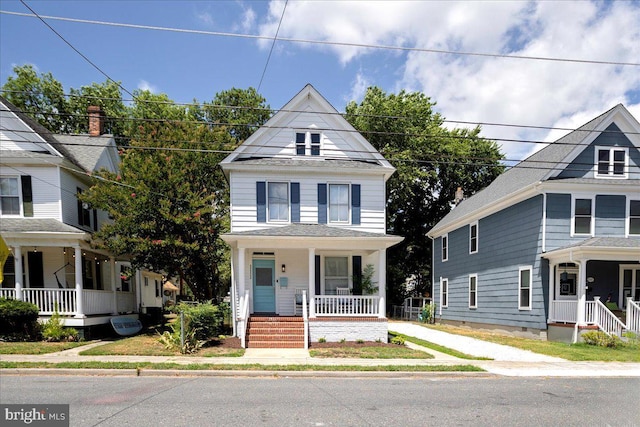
273,44
329,43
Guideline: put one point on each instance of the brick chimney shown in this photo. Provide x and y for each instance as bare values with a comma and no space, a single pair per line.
96,120
459,196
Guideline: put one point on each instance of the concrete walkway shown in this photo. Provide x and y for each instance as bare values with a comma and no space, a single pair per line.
508,361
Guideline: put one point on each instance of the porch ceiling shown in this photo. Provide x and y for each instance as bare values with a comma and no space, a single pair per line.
301,236
600,248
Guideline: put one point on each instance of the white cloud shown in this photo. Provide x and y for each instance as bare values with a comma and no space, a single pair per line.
488,89
145,85
206,18
358,88
248,19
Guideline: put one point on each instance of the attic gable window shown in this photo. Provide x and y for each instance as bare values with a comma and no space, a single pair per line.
308,142
611,162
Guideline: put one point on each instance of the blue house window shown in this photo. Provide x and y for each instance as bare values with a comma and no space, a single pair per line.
473,238
583,216
524,288
473,291
611,162
445,247
634,217
444,292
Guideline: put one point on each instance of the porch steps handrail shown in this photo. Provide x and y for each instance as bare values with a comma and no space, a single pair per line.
633,316
347,305
243,320
606,320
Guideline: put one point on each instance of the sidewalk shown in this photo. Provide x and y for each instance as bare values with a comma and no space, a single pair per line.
508,361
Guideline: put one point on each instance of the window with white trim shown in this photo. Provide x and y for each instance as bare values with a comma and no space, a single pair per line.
611,162
524,288
339,203
278,201
582,216
444,290
473,291
336,274
9,195
445,247
473,238
310,140
634,217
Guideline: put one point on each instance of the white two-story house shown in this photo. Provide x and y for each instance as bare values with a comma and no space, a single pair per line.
307,219
49,231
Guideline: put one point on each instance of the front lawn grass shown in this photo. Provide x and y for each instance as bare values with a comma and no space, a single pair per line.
149,345
365,352
575,352
233,367
38,347
436,347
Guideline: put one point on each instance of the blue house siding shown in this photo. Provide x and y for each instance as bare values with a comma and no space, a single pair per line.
583,165
507,240
610,215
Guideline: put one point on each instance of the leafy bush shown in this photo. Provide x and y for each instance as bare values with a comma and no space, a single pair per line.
600,338
398,340
18,321
322,339
202,322
172,340
53,330
428,313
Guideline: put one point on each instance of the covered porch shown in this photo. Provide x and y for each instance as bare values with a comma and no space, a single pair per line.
59,271
595,284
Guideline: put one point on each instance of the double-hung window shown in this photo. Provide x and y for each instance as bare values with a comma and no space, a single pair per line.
611,162
444,292
582,216
634,217
278,201
307,139
473,238
339,203
9,196
473,291
524,288
445,247
301,145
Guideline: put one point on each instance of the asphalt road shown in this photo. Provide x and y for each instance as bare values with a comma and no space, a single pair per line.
282,401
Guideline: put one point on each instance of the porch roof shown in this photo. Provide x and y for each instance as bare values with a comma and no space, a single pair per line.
27,231
602,248
310,235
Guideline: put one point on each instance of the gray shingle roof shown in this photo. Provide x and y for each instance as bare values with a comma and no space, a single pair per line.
86,150
309,230
36,225
533,169
607,242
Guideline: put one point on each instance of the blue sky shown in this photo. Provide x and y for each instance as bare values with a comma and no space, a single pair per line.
466,88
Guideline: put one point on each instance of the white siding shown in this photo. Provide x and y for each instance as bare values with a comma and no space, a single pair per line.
69,186
243,198
45,188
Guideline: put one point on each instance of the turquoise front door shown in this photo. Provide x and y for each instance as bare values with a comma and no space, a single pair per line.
264,290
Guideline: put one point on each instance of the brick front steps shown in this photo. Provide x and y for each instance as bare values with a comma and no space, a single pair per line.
275,332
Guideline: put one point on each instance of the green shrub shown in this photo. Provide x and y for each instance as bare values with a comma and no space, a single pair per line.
322,339
600,338
18,321
398,340
427,313
53,330
172,340
206,319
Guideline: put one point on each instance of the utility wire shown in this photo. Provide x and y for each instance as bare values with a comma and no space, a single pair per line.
328,43
272,45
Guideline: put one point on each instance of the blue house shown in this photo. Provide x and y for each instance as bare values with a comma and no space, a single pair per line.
552,246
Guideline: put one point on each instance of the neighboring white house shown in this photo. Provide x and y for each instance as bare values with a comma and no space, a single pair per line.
47,229
307,217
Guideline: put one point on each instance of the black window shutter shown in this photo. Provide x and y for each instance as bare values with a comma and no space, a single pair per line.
95,220
27,195
317,275
80,213
261,201
355,204
357,274
295,202
322,203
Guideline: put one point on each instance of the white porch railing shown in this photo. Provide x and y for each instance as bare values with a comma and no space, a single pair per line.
243,319
7,293
97,302
633,316
564,311
50,300
126,302
600,315
356,305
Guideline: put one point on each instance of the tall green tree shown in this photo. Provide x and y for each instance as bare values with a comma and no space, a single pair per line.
106,95
431,162
169,204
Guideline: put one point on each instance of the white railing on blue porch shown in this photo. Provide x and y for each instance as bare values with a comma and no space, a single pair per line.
97,302
50,300
7,293
564,311
633,316
243,319
600,315
354,306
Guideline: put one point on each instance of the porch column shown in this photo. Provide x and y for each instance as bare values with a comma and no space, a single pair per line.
382,282
138,289
17,259
552,286
78,279
582,294
312,282
234,296
112,266
241,269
